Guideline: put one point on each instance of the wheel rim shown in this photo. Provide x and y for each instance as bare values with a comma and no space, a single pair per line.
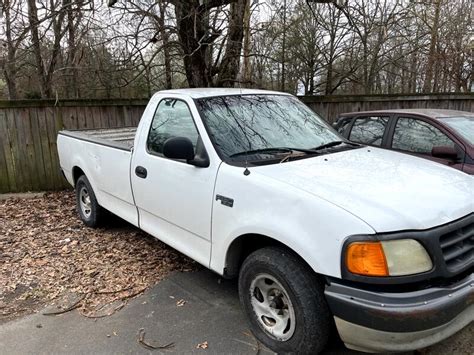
272,306
85,202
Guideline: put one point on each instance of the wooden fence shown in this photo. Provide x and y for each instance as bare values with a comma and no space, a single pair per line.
28,128
330,107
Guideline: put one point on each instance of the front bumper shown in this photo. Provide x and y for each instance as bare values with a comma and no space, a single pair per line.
390,322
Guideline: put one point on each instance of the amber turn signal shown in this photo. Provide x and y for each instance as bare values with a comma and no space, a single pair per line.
366,258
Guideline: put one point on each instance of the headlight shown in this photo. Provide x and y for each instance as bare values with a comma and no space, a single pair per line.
387,258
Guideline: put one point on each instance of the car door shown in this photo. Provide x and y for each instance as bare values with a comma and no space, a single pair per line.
417,136
369,129
174,199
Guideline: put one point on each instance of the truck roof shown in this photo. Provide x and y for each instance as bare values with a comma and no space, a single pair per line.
198,93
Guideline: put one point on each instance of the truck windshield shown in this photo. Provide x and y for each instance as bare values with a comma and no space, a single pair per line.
257,123
464,126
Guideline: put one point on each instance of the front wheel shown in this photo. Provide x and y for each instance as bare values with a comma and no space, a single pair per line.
284,302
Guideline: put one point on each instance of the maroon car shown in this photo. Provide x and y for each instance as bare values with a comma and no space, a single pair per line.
444,136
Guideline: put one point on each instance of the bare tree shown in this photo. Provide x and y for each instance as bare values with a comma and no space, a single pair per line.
85,48
16,32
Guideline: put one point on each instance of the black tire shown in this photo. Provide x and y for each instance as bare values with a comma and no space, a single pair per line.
313,320
94,217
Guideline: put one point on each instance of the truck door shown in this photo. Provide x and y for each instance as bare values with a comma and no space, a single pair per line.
174,199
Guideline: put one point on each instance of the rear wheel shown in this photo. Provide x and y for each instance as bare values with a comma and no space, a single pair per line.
284,302
88,208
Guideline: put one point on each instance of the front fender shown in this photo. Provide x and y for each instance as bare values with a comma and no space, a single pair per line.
312,227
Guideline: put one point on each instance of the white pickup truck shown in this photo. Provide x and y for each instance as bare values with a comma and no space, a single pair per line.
319,230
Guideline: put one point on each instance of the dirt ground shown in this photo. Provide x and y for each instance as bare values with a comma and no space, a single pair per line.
48,255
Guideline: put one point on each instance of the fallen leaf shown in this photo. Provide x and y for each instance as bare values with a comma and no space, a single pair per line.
203,345
47,252
181,303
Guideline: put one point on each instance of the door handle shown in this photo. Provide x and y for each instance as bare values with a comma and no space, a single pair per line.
141,172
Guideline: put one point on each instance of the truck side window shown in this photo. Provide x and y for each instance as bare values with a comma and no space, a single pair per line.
369,130
172,119
417,136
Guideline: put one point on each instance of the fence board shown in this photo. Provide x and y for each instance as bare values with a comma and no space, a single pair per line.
8,155
4,182
39,157
82,118
14,130
43,133
94,113
52,132
104,117
28,128
330,107
120,117
4,162
29,164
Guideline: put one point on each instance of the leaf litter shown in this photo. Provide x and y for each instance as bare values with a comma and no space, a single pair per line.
47,253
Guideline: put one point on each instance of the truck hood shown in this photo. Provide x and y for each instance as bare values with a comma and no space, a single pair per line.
390,191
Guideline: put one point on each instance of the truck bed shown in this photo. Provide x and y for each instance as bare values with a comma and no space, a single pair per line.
120,138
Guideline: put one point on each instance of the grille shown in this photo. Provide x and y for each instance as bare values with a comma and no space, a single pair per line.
458,248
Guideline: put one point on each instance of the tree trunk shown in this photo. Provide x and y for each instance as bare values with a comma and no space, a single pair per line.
9,72
329,71
193,40
72,50
9,66
432,53
283,50
247,68
57,21
33,22
365,65
166,49
230,65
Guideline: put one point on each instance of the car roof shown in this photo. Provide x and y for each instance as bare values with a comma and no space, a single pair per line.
428,112
197,93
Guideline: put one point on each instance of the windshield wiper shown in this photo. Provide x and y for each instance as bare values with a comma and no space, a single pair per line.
273,150
333,144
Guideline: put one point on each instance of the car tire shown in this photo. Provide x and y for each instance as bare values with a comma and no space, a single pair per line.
284,302
87,206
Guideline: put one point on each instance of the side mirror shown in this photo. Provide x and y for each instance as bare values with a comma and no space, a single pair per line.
445,152
178,148
182,148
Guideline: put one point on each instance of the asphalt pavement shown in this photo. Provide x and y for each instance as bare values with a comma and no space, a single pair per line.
209,320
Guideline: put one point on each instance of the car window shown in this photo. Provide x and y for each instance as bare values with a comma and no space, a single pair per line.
463,125
343,125
172,119
418,136
369,130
